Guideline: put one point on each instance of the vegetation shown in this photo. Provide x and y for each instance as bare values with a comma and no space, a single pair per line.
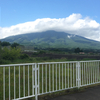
5,43
10,54
14,45
13,54
77,50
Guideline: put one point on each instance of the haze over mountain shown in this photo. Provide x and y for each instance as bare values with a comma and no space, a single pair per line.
53,39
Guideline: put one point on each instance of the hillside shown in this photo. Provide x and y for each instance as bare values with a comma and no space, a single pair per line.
53,39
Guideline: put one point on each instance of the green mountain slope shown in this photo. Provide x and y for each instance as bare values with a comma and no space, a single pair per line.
53,39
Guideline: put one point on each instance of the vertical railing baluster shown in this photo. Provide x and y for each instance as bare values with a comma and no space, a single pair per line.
38,79
65,75
19,81
14,84
36,94
28,82
76,74
9,82
42,78
95,71
24,80
98,72
46,77
49,79
91,72
56,77
32,80
68,75
82,73
80,68
62,75
59,76
86,73
3,83
53,75
73,74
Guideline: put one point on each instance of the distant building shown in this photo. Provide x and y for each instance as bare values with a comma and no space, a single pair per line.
81,53
29,51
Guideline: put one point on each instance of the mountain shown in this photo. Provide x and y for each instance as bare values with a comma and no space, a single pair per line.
53,39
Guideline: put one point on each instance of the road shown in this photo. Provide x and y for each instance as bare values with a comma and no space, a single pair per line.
92,93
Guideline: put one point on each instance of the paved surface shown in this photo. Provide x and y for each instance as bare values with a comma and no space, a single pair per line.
92,93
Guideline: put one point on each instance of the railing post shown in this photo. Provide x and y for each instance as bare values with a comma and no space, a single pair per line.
78,75
36,94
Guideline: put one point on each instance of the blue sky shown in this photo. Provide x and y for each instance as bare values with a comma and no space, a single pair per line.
14,12
19,11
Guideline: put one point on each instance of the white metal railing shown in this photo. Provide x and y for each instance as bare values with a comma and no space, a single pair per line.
16,81
90,72
20,81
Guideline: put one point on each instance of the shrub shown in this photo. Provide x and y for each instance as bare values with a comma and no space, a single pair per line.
11,54
24,56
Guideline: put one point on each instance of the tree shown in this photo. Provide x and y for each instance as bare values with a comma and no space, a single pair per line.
14,45
0,43
77,50
5,43
0,51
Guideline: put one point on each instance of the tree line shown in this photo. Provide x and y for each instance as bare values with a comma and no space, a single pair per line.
4,43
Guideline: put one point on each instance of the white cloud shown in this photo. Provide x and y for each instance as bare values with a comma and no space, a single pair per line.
74,24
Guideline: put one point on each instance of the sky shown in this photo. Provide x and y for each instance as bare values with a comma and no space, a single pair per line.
79,17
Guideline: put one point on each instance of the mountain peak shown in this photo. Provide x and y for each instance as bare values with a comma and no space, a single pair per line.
53,39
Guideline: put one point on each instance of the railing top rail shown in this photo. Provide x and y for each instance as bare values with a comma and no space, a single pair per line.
68,62
47,63
90,61
57,62
16,64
